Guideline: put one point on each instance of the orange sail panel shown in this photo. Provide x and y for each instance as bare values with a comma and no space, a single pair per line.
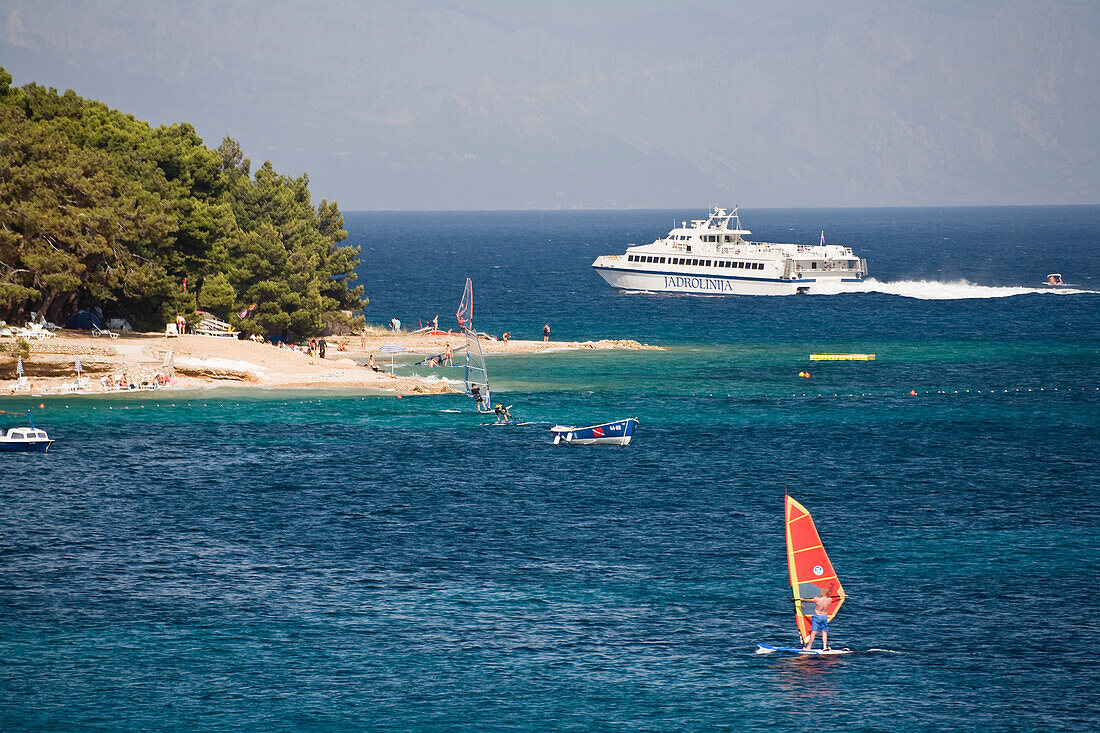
809,567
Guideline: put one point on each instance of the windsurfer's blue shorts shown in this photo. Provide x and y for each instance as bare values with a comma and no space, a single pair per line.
819,622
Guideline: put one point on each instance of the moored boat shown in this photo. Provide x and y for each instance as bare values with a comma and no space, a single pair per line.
608,433
25,440
711,257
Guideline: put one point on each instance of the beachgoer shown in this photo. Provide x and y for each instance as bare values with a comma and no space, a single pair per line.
505,336
181,324
819,621
546,332
363,340
435,323
502,413
447,355
370,363
321,346
313,351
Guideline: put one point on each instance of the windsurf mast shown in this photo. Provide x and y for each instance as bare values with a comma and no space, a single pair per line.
810,570
477,377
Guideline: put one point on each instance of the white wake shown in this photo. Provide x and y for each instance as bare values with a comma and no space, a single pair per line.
953,290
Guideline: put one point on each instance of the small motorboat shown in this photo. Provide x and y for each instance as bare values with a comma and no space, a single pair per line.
25,440
608,433
1053,280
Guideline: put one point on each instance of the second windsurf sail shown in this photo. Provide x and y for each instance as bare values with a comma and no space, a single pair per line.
477,378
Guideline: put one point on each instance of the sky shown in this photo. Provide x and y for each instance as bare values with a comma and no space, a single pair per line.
487,104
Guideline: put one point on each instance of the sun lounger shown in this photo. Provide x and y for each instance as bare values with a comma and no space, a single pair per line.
21,384
35,331
97,331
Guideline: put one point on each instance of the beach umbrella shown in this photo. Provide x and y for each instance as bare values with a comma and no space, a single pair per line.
392,349
19,365
78,367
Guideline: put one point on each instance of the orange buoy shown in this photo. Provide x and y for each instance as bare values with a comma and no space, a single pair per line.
41,405
912,393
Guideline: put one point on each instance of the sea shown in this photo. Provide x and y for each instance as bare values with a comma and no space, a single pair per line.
244,560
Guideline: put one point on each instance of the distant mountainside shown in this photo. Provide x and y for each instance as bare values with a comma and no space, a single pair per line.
425,105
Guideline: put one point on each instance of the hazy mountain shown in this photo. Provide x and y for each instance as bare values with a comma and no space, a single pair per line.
481,105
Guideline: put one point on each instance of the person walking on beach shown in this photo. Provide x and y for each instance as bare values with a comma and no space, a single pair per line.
321,346
819,621
313,351
447,356
546,332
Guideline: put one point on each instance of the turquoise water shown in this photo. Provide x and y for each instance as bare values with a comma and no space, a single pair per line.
288,561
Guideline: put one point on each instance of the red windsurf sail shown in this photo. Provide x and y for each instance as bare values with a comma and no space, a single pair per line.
810,570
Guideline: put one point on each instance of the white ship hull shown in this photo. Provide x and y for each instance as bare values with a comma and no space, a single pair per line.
713,284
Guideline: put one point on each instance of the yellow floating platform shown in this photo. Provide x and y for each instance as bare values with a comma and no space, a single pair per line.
842,357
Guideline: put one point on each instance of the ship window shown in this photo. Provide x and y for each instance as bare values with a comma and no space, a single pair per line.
662,260
813,265
758,266
630,258
707,263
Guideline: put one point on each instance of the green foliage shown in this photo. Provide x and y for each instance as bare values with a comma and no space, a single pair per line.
98,208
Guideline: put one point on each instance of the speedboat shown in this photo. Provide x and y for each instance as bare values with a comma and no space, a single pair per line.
608,433
712,257
1053,280
25,440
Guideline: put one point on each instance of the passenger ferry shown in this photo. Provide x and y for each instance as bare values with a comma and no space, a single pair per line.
712,257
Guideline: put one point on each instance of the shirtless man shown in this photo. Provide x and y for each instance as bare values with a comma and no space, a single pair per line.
820,619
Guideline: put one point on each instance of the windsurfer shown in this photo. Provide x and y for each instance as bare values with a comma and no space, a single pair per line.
502,413
819,621
475,392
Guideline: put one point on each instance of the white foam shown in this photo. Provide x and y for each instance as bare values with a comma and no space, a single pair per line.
436,379
952,290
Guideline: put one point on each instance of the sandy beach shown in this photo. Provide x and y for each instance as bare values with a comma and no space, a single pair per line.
191,361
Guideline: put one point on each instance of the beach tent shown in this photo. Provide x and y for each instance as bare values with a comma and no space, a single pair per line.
84,320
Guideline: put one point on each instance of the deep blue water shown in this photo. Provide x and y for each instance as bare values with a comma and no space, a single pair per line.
228,561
